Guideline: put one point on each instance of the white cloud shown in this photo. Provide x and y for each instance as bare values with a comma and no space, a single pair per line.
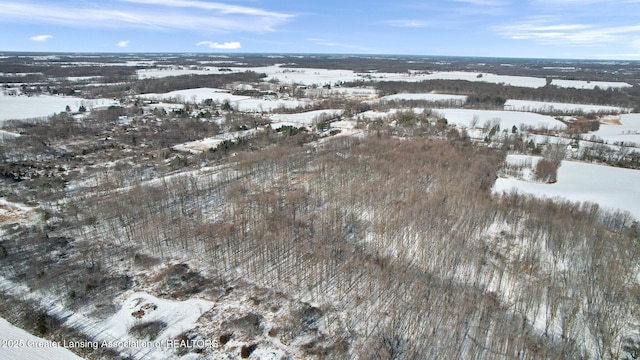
123,43
222,8
483,2
583,2
406,23
41,38
232,45
542,31
194,15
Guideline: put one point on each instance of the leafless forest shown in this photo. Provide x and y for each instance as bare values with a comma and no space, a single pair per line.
386,245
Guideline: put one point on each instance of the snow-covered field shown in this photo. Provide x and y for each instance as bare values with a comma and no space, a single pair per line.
354,92
376,115
620,129
465,117
268,105
166,72
27,107
199,146
609,187
238,102
521,81
196,95
306,119
310,76
581,84
543,106
17,344
457,99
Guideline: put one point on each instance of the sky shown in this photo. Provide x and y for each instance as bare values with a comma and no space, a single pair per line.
568,29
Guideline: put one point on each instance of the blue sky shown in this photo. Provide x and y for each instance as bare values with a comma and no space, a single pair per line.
586,29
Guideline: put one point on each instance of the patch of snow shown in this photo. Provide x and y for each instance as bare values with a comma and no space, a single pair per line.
197,95
8,135
141,308
609,187
458,99
344,124
17,344
11,212
267,105
307,119
521,81
465,117
364,92
238,102
581,84
83,78
543,106
525,165
165,106
199,146
377,115
306,76
27,107
134,308
166,72
620,129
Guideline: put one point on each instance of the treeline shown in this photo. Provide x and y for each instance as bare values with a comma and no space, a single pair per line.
55,70
172,83
480,93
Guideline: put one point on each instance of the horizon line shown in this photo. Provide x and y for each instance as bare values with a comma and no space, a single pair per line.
319,54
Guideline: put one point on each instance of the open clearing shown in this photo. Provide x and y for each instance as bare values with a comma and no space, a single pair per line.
27,107
543,106
610,187
507,119
620,129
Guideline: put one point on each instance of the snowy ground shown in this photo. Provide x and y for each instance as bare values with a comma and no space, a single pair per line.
7,134
166,72
17,344
142,308
268,105
581,84
458,99
353,92
376,115
11,212
240,103
118,331
306,119
320,77
526,105
609,187
620,129
196,95
199,146
465,117
522,81
27,107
